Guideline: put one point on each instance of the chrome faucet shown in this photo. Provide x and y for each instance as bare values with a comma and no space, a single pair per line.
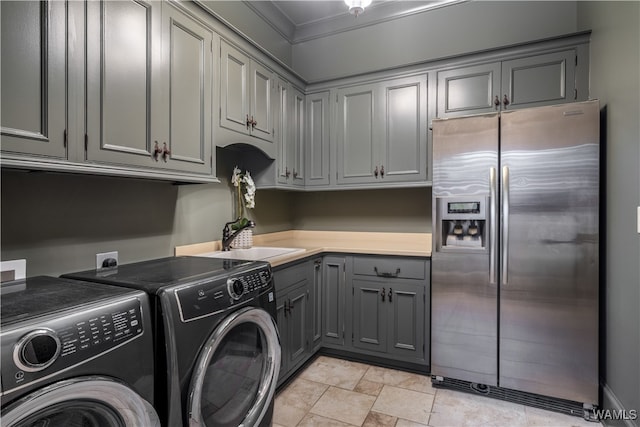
228,237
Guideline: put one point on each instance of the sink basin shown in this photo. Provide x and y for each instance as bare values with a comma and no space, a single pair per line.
256,253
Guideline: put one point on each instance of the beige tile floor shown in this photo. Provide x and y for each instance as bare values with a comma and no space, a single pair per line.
334,392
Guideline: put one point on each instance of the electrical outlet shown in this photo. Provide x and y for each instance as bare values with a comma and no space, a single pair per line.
101,258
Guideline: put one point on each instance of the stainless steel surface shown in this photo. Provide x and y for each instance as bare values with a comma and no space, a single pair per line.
464,306
505,225
546,305
493,231
549,310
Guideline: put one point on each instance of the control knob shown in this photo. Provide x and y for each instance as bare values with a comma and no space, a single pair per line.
236,287
37,350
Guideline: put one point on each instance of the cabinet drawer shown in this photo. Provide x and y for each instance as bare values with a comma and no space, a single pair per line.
289,276
392,267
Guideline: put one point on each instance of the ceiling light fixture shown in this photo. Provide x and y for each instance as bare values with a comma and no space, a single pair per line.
356,7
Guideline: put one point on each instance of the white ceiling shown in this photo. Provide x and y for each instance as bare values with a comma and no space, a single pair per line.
301,20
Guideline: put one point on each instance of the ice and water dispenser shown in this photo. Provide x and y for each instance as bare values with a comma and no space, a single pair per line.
462,222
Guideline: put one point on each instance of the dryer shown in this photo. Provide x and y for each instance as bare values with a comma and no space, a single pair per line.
216,341
75,353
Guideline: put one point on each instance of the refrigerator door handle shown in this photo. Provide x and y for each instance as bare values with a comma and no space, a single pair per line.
505,224
493,185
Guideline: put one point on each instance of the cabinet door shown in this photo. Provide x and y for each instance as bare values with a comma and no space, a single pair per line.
260,101
370,315
298,145
404,147
187,52
234,88
283,330
282,131
123,57
317,139
33,78
333,301
297,313
406,321
468,90
357,138
315,304
539,80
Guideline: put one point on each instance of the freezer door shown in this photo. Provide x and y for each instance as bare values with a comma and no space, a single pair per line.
464,301
549,254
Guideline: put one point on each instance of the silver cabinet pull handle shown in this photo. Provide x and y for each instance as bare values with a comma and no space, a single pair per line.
493,247
505,224
382,294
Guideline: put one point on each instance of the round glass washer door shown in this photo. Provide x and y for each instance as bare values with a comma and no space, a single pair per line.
236,373
83,401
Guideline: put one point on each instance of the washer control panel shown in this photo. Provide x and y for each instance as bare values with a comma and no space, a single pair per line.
38,350
212,296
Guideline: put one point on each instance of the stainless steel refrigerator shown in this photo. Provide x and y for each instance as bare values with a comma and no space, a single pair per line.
515,258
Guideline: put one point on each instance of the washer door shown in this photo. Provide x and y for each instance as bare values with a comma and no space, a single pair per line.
236,373
84,401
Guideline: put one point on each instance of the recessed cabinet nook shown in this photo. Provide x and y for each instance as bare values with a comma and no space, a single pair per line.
156,100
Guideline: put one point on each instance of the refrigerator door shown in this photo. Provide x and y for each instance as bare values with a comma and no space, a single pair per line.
549,254
464,301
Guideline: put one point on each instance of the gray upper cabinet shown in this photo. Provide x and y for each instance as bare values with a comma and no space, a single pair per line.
245,94
518,83
289,135
149,74
317,139
357,132
403,154
382,132
34,115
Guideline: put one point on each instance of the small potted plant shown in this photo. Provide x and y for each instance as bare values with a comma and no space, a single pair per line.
245,198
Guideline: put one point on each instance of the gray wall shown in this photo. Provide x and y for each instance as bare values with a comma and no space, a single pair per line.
448,31
615,80
394,210
59,222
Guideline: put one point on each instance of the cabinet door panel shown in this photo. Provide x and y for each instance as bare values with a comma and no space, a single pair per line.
468,90
317,139
539,80
315,308
333,300
33,78
187,45
233,89
356,137
298,172
405,144
406,320
261,102
369,316
120,88
283,330
297,321
282,132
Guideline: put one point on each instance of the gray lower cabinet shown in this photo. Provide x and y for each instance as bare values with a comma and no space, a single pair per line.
333,301
149,88
293,315
390,310
34,50
529,81
316,292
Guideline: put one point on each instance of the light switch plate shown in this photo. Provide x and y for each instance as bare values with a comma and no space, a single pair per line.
638,217
14,270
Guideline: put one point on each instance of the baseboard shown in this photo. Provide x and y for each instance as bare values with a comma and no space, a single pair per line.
610,401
